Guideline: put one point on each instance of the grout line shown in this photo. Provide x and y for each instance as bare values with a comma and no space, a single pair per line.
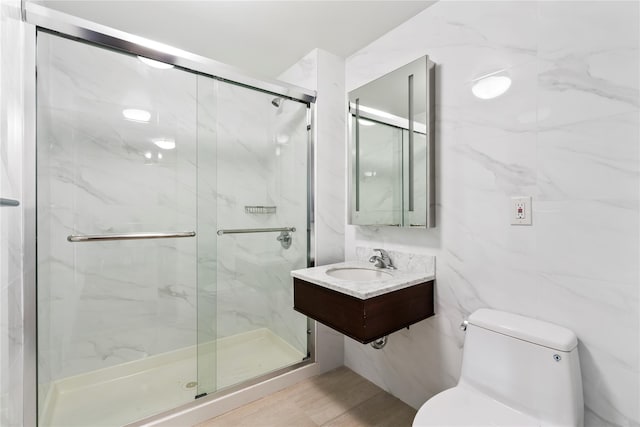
353,408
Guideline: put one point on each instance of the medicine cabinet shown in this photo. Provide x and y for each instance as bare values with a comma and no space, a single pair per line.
391,148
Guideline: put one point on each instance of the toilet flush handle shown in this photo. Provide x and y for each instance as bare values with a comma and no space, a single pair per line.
464,324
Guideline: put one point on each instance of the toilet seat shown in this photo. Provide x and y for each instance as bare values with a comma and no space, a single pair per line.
463,406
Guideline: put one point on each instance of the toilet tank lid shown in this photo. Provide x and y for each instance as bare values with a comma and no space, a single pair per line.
524,328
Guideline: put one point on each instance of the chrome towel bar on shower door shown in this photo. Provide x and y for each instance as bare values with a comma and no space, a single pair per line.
285,238
254,230
128,236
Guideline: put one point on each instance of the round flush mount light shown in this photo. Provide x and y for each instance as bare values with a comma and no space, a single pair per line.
165,143
136,115
490,86
155,64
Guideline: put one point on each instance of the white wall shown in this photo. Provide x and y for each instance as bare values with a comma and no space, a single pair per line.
566,133
12,35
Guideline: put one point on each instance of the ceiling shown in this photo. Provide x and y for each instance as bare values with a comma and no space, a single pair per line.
261,37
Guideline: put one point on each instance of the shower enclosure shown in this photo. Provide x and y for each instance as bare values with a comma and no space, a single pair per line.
171,207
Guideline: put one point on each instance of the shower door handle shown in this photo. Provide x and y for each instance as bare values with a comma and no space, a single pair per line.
8,202
285,238
255,230
75,238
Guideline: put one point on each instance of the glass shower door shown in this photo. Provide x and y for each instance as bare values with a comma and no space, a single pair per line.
259,236
171,209
116,155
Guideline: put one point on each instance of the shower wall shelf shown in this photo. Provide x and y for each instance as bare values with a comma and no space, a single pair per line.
260,210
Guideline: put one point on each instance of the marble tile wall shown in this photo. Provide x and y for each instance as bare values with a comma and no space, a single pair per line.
261,161
566,133
323,72
12,81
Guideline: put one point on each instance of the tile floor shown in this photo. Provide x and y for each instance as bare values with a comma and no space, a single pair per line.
338,398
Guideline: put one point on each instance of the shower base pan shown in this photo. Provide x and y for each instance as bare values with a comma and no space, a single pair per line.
125,393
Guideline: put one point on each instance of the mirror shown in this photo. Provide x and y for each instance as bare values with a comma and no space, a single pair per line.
391,148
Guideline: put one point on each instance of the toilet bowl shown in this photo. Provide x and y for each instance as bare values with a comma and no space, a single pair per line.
516,371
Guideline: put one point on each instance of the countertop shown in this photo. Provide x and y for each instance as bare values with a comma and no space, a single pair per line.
363,289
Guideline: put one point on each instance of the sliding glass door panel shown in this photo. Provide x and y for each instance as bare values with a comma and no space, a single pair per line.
116,154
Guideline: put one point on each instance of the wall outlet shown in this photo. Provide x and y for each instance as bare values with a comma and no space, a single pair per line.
521,210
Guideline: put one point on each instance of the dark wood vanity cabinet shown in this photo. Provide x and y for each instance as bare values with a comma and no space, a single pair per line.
364,320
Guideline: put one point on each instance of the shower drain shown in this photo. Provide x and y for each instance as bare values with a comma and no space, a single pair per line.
190,385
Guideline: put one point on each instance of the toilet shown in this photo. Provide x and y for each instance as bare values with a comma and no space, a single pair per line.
516,371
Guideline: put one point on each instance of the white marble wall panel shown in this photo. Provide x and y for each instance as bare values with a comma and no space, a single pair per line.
567,133
12,107
588,65
330,162
324,72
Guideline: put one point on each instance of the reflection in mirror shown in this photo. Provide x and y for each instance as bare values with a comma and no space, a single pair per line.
377,184
391,133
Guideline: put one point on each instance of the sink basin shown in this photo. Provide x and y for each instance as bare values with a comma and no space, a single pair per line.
358,274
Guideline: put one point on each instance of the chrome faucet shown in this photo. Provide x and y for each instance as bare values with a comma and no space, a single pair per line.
382,260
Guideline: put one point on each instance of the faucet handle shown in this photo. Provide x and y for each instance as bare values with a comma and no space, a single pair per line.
383,253
384,258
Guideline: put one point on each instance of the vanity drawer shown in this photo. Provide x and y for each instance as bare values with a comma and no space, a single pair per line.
364,320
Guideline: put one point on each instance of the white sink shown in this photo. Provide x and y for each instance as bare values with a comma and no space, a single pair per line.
358,274
362,280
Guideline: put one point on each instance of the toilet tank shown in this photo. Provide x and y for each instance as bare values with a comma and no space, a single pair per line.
527,364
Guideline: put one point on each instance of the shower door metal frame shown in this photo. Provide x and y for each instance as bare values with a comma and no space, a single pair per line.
40,18
80,29
29,244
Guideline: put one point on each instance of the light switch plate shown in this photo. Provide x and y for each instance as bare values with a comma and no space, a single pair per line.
521,210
